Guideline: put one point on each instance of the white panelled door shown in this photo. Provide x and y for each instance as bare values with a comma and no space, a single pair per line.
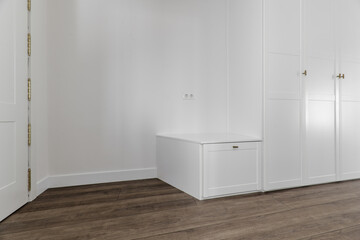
320,91
13,106
283,165
349,65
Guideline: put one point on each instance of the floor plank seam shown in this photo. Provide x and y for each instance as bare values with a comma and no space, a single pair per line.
318,204
285,204
162,234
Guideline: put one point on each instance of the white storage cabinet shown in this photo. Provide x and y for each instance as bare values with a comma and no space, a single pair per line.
312,92
210,165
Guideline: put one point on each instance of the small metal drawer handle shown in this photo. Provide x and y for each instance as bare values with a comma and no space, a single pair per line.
235,147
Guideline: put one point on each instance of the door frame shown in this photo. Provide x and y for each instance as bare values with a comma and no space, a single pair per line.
32,194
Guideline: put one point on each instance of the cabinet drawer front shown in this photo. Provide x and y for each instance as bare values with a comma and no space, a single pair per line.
230,146
231,168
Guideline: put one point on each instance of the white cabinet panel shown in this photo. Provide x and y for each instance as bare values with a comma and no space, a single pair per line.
284,26
320,142
282,139
350,86
319,28
320,83
350,140
348,27
231,168
178,163
283,77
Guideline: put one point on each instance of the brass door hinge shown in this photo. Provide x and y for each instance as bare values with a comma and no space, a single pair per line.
29,5
29,134
29,179
29,44
29,89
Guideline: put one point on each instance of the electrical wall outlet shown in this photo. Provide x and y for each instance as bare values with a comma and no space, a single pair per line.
188,96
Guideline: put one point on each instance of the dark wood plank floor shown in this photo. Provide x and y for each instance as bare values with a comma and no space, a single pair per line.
153,210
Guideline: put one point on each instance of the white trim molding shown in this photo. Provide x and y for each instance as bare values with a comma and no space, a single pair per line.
68,180
42,186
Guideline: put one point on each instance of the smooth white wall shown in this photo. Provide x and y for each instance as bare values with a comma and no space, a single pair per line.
245,67
117,71
117,74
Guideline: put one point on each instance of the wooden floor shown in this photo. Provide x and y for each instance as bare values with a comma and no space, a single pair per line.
153,210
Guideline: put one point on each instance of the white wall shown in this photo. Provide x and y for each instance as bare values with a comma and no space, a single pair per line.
117,71
246,68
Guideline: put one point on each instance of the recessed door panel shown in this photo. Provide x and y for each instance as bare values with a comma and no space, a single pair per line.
284,26
350,85
320,79
7,51
320,141
319,29
348,31
283,77
231,168
282,140
224,166
350,140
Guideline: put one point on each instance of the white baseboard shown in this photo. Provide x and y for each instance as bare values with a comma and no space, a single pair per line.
42,186
68,180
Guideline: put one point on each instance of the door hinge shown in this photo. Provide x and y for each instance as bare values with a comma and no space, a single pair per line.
29,5
29,44
29,179
29,134
29,89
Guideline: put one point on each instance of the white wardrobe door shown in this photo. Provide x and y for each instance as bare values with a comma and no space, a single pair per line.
349,32
319,86
282,115
13,107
